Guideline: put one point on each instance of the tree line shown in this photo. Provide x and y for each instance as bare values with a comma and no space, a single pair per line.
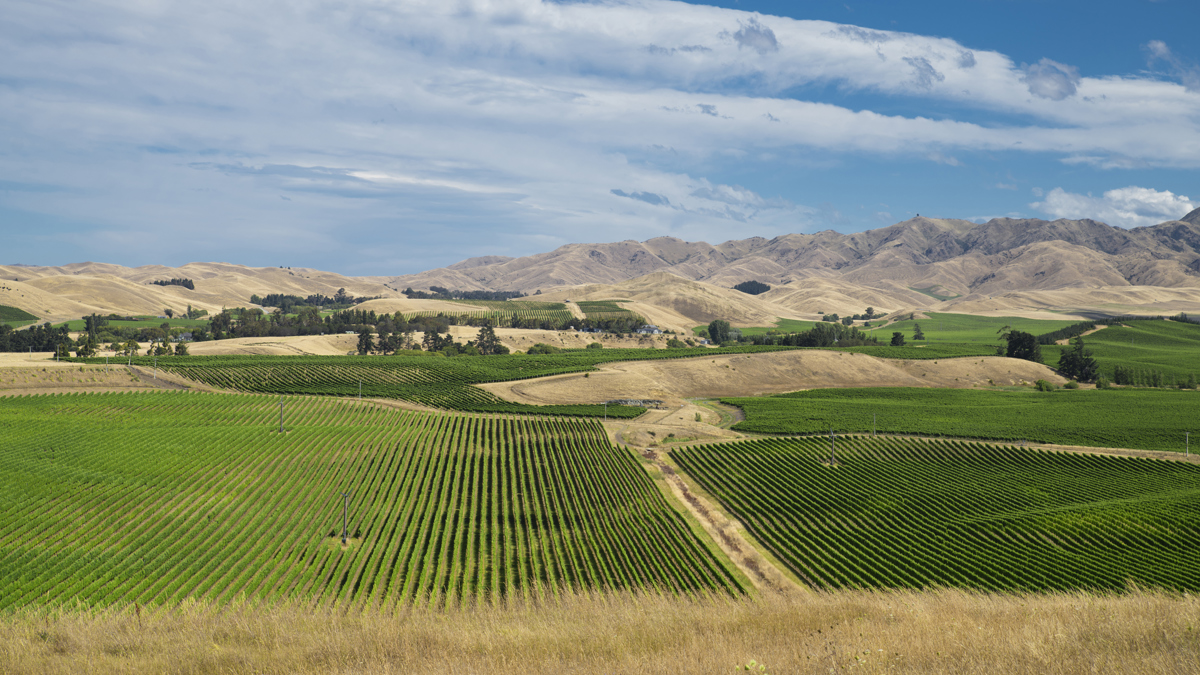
441,293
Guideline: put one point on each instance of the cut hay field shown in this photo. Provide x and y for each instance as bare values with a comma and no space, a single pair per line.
907,513
115,499
1144,419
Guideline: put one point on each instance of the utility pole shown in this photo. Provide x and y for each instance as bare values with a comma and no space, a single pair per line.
156,367
345,507
606,411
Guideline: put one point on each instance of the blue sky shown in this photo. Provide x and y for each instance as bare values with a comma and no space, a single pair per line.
377,137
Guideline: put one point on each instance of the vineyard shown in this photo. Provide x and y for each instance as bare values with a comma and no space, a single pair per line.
903,513
1143,419
605,309
154,498
422,378
1170,349
15,317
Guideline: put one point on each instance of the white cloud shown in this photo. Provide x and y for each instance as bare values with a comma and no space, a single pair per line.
1125,207
756,36
1051,79
522,114
1187,72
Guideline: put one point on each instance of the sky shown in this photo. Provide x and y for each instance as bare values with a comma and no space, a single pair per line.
385,137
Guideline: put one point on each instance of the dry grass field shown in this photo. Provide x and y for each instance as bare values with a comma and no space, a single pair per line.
932,632
761,374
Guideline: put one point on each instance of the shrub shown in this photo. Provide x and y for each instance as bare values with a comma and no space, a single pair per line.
595,345
1043,385
1103,383
1071,385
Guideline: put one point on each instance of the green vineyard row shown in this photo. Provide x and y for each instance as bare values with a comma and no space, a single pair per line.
153,498
1145,419
905,513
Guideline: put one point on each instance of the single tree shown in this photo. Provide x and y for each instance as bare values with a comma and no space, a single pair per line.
870,313
170,313
918,334
897,339
487,342
365,344
1077,362
718,331
1023,345
181,349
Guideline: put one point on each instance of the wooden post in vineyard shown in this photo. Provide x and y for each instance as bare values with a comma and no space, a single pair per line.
345,507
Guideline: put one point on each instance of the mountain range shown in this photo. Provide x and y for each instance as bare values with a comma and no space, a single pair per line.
1003,265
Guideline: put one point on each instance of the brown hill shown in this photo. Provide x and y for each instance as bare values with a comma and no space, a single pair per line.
957,256
922,263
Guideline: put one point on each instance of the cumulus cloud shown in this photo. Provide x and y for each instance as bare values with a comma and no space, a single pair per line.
1125,207
1051,79
754,35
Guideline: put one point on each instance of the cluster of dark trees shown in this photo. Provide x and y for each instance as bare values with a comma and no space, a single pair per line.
848,320
186,283
752,287
820,335
440,293
290,303
385,342
44,338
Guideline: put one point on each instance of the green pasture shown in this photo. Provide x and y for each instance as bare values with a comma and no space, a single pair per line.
1145,419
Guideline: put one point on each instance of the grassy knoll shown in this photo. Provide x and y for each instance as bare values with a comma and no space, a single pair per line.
876,632
910,513
1170,348
1144,419
115,499
941,327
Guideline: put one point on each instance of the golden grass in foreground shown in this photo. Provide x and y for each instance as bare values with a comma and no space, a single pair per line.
935,632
